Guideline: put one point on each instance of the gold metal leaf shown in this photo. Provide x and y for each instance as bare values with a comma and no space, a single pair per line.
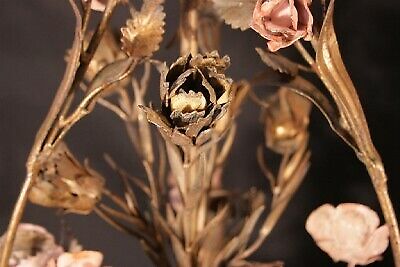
237,13
278,62
249,226
143,33
239,241
109,75
305,88
177,168
336,78
144,127
107,52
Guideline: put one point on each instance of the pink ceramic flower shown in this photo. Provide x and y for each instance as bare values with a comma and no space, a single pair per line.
348,233
282,22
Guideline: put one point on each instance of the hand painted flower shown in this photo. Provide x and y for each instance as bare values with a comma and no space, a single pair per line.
282,22
348,233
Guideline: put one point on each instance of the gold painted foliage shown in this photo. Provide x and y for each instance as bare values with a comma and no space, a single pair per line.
106,53
62,182
143,33
236,13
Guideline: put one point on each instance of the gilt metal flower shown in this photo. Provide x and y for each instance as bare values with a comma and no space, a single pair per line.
286,120
195,94
62,182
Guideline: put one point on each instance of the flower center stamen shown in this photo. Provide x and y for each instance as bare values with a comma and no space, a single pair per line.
188,102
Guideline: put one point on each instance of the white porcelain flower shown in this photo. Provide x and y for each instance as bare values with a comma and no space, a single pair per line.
348,233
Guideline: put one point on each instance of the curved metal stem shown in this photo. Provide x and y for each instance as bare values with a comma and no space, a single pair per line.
44,137
15,219
365,151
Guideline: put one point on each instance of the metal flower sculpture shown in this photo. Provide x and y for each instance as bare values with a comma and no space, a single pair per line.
195,94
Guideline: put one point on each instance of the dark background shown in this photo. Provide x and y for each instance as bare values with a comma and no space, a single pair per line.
33,38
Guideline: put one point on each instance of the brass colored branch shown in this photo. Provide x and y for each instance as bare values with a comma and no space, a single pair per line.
40,140
15,219
84,60
379,180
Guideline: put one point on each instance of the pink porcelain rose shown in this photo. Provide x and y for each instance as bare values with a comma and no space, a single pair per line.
282,22
348,233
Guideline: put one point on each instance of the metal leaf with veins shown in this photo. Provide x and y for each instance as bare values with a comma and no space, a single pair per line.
143,33
237,13
278,62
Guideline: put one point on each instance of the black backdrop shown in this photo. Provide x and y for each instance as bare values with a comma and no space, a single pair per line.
33,38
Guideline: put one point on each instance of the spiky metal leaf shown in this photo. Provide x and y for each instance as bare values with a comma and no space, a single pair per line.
278,62
142,35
